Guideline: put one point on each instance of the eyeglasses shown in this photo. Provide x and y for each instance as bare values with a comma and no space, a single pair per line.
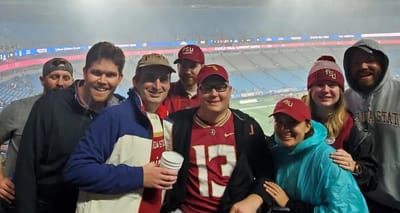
152,77
209,88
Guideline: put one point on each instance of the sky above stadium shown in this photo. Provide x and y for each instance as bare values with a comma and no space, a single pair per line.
78,22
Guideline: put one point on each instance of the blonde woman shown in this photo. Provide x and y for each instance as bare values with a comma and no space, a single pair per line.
325,98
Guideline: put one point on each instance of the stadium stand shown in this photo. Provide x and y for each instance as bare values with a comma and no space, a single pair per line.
253,72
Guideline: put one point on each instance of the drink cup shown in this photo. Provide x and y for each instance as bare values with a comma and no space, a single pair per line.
171,160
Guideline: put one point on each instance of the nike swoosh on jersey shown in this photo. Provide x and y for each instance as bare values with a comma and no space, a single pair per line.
227,134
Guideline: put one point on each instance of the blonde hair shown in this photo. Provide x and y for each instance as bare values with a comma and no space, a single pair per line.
336,118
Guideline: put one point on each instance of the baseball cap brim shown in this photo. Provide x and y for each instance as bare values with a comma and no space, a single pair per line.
177,61
180,59
157,65
296,118
364,48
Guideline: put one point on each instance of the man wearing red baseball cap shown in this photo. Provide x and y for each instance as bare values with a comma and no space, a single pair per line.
183,93
224,149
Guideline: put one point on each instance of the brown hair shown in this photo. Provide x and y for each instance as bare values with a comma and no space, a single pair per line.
105,50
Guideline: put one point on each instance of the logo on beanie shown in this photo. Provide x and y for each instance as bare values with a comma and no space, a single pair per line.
187,50
288,103
330,73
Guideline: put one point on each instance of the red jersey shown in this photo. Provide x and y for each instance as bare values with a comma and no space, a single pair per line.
212,160
344,132
152,198
179,99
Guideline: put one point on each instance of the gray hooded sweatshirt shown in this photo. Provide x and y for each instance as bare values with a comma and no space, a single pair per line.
379,112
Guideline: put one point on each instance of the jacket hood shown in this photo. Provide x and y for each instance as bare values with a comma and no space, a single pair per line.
370,46
318,137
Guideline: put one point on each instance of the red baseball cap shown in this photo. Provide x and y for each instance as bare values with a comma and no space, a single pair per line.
191,52
293,107
212,69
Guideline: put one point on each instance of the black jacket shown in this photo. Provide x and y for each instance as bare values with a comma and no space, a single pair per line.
253,151
360,147
55,125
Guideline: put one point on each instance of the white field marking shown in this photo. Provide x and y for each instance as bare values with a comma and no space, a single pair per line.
256,107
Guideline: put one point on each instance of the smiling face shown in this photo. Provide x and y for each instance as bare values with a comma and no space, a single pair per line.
152,83
214,94
188,71
289,131
101,80
325,93
365,69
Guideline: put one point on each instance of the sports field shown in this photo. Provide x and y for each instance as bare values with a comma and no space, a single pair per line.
260,108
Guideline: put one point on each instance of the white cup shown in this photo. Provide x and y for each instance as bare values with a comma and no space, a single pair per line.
171,160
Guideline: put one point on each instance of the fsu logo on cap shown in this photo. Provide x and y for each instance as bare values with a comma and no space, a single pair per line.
288,103
214,67
187,50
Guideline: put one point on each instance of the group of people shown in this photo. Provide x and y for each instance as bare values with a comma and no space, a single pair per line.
79,147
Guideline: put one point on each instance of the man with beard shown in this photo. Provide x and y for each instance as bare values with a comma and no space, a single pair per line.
56,123
57,74
183,93
373,98
115,164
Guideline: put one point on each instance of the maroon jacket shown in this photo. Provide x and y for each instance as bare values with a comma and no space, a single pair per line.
179,99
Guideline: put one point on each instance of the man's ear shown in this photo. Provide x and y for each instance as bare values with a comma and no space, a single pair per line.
41,78
134,80
84,71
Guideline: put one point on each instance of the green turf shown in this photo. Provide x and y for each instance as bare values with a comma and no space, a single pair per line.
262,109
259,111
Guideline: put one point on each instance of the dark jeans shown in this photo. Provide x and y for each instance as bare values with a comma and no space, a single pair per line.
375,207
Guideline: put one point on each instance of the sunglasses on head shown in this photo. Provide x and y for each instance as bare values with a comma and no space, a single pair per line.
218,87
